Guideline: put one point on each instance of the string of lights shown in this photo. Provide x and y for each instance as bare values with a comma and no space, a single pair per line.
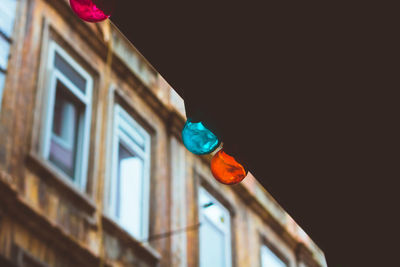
196,137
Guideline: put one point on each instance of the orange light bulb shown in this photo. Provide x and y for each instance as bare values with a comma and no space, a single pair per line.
226,169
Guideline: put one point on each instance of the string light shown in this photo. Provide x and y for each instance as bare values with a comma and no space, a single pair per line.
226,169
90,10
198,139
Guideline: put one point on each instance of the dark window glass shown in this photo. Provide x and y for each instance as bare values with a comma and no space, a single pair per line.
70,72
67,111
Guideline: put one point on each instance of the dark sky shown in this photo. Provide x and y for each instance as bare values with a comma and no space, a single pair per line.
301,93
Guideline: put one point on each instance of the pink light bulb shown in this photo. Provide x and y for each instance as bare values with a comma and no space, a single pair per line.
88,11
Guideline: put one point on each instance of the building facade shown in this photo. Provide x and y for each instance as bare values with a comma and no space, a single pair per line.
92,167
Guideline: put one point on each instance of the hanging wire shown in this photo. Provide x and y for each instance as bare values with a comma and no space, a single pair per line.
186,229
174,232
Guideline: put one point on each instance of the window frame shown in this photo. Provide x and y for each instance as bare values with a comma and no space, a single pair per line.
227,232
131,129
53,76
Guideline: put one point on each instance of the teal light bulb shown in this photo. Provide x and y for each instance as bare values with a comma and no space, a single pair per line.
198,139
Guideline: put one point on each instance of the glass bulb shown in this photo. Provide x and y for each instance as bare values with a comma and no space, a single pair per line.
89,10
226,169
198,139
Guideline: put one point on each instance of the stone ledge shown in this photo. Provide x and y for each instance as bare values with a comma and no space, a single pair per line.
144,249
53,177
18,208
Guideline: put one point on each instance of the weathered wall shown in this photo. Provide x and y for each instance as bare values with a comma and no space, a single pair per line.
45,220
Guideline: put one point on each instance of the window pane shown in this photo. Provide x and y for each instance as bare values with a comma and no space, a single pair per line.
65,129
269,259
7,14
70,72
213,210
214,232
216,215
4,52
212,246
129,190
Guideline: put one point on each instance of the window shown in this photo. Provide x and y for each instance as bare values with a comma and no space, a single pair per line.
7,14
129,184
67,122
269,258
214,233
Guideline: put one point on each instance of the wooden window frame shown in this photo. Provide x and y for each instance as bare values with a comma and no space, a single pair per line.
52,76
127,129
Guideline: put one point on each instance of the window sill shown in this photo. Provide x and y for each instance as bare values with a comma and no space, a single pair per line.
55,178
143,249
